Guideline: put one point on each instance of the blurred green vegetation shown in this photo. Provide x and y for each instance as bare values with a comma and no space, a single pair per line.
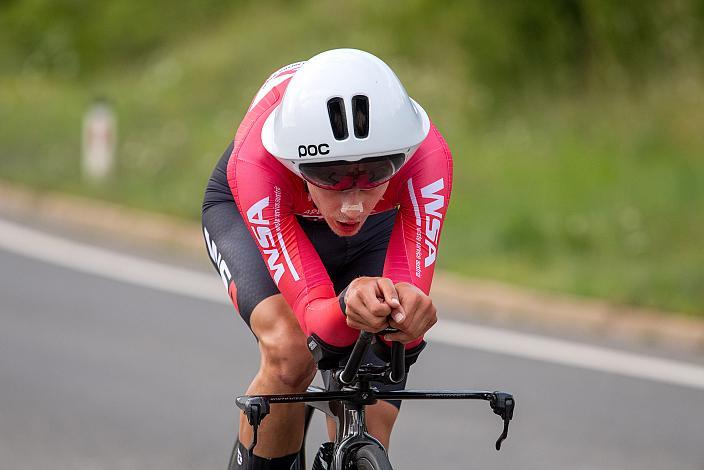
576,126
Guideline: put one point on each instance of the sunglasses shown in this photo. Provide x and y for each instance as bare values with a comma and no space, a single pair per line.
339,175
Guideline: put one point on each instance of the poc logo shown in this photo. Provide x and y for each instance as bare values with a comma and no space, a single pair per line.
313,150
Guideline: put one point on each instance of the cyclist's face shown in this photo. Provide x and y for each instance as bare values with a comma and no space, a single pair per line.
346,211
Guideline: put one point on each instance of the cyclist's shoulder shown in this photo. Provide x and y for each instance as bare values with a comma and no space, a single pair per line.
278,79
432,158
247,143
287,69
433,147
430,165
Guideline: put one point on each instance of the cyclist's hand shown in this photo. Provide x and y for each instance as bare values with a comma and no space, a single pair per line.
370,301
418,314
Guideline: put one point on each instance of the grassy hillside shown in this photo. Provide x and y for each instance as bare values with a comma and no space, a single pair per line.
591,185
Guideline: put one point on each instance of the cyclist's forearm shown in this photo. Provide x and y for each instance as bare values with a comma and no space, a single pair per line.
323,316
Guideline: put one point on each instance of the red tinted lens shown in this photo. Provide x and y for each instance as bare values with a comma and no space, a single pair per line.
341,175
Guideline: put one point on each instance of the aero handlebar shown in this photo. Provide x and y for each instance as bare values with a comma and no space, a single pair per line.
398,358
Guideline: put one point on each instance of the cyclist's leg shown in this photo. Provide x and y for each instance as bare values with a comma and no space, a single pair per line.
286,367
381,418
286,364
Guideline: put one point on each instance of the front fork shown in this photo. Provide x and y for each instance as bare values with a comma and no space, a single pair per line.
350,425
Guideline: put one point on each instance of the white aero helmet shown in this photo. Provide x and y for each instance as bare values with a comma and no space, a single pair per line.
344,105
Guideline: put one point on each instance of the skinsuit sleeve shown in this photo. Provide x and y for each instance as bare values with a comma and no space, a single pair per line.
423,190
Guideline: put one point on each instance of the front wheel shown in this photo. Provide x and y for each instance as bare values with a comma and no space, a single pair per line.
369,457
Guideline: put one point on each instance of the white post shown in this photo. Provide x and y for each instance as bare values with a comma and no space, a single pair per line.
99,141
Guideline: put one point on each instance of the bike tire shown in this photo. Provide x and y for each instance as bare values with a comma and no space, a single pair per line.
369,457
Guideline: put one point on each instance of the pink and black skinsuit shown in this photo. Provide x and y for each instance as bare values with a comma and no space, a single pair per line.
265,236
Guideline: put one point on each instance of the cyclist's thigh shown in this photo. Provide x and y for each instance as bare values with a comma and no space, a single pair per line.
236,257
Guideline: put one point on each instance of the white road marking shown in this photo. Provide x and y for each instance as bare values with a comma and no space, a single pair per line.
99,261
567,353
121,267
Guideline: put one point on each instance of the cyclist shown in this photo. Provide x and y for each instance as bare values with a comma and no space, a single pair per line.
323,217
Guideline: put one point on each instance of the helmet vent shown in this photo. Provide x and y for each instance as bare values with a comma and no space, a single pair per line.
338,121
360,112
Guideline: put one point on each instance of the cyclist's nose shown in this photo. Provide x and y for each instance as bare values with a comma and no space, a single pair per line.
352,202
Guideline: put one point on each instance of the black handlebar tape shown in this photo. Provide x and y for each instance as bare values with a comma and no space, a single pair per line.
355,360
398,362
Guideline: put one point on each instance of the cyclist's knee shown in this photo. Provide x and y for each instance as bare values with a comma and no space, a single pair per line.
285,355
288,361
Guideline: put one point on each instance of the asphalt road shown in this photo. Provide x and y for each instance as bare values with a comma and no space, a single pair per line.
101,374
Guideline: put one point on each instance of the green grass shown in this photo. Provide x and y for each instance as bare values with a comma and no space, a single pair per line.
576,210
599,194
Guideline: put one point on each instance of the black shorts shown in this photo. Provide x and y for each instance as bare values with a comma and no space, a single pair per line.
344,258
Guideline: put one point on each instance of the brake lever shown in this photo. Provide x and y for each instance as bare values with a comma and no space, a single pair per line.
255,409
503,404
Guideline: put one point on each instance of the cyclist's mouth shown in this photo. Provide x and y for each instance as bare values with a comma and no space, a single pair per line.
348,228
